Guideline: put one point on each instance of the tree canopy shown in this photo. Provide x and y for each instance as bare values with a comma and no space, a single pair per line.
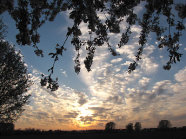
163,124
14,82
30,15
137,126
110,126
129,127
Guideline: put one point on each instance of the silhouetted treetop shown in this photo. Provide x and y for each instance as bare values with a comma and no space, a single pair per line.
110,126
129,127
30,15
137,126
163,124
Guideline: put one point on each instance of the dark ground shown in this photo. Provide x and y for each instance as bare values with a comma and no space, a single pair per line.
121,134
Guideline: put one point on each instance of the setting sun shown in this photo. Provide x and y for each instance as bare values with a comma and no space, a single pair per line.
83,116
84,112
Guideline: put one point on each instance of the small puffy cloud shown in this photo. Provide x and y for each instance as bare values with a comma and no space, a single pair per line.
116,60
128,50
162,88
148,65
71,115
87,119
63,72
136,29
127,63
181,75
98,109
82,98
144,81
116,99
161,56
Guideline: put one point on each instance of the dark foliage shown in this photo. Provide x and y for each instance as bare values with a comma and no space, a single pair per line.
137,126
175,133
14,82
110,126
30,15
129,127
2,29
6,127
164,124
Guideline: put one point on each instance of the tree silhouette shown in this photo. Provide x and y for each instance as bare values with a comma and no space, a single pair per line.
14,82
129,127
163,124
110,126
30,15
6,127
137,126
2,29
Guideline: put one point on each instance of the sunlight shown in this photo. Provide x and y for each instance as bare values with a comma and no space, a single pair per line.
81,119
84,111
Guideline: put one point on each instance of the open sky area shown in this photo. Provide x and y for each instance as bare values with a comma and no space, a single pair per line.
107,93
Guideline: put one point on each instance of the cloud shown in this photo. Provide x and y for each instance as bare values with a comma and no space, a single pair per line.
144,81
160,102
181,75
51,110
116,60
87,119
116,99
71,115
98,109
82,98
63,72
42,115
162,88
147,63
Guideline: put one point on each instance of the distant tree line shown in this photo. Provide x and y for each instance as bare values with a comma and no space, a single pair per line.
163,124
110,126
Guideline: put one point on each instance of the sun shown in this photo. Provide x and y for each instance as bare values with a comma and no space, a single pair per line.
83,112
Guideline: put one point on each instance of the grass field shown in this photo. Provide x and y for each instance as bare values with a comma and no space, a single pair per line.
121,134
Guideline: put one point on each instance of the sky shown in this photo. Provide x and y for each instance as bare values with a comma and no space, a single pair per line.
108,93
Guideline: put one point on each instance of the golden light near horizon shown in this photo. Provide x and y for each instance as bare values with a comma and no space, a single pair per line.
84,113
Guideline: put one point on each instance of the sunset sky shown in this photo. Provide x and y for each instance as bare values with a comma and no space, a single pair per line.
107,93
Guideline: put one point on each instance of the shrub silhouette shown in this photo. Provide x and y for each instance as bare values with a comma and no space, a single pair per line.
110,126
129,127
164,124
137,126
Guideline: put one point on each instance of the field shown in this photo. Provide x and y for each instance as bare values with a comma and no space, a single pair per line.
173,133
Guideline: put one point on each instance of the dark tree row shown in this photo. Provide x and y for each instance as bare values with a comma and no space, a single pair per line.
163,124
